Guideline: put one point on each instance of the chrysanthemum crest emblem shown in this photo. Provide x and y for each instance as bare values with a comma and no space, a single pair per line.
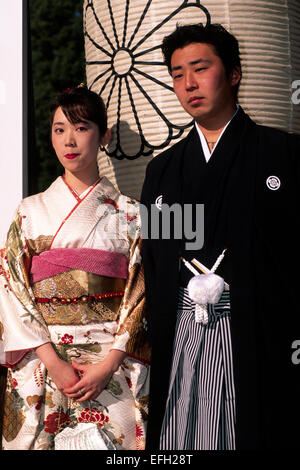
124,65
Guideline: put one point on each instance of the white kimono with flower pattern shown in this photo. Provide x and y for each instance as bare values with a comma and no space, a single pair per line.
55,221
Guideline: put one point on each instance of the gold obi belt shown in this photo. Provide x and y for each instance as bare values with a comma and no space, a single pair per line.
78,286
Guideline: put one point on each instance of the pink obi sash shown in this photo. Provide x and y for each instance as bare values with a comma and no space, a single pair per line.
59,260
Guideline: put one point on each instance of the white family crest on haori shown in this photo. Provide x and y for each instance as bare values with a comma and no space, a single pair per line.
273,182
158,202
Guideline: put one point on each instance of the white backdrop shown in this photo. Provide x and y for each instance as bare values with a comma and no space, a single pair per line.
11,136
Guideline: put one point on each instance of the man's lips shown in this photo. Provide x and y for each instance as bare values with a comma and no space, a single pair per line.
195,99
70,156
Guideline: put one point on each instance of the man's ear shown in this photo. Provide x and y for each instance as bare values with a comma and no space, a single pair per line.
104,139
235,76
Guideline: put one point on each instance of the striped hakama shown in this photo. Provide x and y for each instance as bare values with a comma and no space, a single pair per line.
200,411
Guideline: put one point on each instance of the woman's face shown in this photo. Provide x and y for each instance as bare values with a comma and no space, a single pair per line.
76,145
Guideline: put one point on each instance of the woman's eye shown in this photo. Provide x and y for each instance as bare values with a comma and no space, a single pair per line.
82,129
58,130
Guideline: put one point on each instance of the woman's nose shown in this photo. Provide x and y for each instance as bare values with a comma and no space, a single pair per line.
70,140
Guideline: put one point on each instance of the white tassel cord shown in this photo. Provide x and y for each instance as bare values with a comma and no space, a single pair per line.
205,288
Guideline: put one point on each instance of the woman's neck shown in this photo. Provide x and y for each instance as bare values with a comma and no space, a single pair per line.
80,184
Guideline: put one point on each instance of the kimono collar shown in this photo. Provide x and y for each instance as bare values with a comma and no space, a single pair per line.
85,214
205,148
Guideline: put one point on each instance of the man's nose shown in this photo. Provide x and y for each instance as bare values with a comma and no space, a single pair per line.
190,81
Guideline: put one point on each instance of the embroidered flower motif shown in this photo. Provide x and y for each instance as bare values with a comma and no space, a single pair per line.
49,400
139,431
36,400
21,219
39,404
38,376
127,69
66,339
140,443
107,200
140,438
131,218
3,271
14,383
93,415
111,201
55,420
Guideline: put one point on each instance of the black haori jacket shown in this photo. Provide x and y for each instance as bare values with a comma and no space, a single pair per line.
256,218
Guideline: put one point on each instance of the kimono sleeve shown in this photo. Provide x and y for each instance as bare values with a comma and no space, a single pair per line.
21,325
132,331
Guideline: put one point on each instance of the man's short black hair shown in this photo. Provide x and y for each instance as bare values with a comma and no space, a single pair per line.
225,44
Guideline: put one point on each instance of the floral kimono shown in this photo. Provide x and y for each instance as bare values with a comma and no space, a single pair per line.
71,274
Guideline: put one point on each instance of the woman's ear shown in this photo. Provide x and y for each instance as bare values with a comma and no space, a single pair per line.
104,139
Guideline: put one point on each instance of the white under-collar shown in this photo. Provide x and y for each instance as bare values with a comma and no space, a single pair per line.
81,196
205,148
85,192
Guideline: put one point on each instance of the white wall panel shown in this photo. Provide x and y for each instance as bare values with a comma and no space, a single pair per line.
11,134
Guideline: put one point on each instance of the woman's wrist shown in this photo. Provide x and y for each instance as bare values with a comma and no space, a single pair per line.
114,359
47,355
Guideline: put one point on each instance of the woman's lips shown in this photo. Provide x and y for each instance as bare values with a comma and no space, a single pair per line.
70,156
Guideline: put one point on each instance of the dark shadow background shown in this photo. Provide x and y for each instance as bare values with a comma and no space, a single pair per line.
55,61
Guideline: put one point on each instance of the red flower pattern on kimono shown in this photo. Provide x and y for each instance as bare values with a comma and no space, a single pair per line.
14,383
131,218
108,200
93,416
140,438
139,431
66,339
54,420
39,403
105,199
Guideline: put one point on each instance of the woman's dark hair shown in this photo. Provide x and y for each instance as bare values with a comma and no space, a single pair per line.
81,104
225,44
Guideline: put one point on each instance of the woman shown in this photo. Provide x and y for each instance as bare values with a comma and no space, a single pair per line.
72,301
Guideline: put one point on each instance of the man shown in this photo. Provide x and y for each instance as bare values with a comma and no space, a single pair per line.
230,383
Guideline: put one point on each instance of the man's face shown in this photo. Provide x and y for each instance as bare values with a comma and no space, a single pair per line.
201,84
